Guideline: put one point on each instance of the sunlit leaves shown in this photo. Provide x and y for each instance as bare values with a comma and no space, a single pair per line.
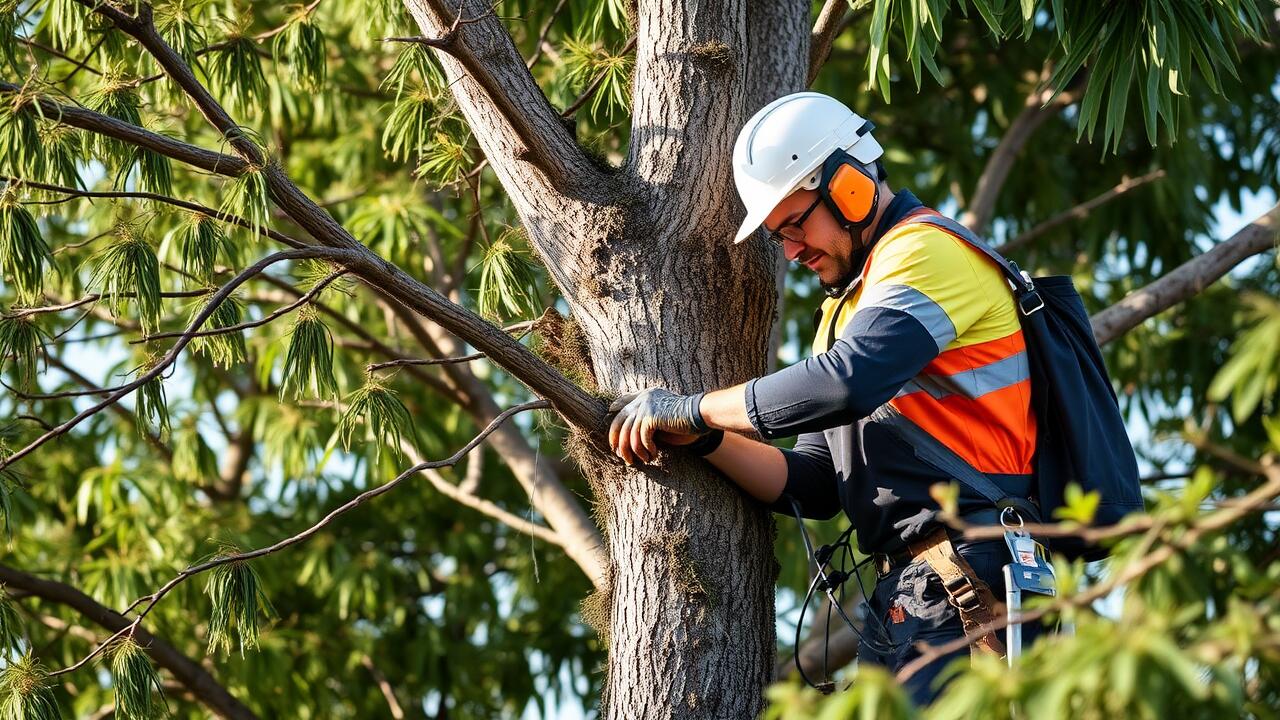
376,412
1143,48
139,694
9,24
193,459
10,626
116,98
201,241
414,67
301,49
23,252
239,605
151,409
236,69
587,63
1078,506
128,269
308,365
224,348
26,692
19,136
873,695
445,161
246,196
22,342
410,126
1252,376
61,146
507,281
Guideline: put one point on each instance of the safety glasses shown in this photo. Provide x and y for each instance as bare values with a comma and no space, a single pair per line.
778,237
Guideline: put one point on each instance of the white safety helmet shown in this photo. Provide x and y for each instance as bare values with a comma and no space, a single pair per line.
783,146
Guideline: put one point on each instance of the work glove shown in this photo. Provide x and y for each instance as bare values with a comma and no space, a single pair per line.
640,416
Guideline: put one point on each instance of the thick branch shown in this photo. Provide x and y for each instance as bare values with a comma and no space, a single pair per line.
824,33
499,96
213,162
186,671
1188,279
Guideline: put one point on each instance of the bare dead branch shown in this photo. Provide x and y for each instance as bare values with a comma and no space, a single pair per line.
1188,279
1080,211
92,297
388,692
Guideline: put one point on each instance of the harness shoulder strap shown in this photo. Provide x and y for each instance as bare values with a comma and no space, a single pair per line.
1024,289
942,458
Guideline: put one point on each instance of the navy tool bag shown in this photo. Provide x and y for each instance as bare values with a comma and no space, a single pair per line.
1081,437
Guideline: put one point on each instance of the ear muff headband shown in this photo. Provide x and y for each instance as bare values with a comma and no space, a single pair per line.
849,190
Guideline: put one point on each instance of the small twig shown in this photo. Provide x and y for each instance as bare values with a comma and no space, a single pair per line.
148,602
446,41
59,54
1080,211
93,297
543,33
184,204
251,323
170,357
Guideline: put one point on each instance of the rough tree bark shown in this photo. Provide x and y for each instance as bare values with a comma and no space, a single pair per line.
642,255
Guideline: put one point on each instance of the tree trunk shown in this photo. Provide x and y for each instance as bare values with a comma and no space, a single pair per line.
643,255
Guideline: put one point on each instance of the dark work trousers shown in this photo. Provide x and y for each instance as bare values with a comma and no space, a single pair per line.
913,608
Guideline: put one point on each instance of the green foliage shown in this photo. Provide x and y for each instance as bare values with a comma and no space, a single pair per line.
117,98
193,459
246,196
22,341
585,63
445,161
301,49
236,69
201,241
872,695
128,269
26,692
507,282
9,24
1078,506
154,173
151,409
414,67
61,146
23,252
10,626
139,694
224,349
1160,42
377,413
239,605
19,136
1252,376
308,366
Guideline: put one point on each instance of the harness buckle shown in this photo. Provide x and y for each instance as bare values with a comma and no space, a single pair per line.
1028,308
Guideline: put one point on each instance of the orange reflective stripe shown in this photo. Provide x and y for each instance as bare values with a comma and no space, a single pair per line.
970,356
995,433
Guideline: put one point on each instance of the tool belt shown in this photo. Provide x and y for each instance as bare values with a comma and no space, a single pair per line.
965,590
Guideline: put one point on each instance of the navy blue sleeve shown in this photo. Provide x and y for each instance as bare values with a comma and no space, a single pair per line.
811,479
879,351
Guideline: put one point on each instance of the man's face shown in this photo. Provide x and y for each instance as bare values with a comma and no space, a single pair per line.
819,243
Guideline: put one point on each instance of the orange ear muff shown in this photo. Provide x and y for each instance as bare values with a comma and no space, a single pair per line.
851,193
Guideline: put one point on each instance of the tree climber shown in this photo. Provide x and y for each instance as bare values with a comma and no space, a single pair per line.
917,324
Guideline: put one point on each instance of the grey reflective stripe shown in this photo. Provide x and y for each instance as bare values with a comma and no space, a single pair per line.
973,383
914,303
